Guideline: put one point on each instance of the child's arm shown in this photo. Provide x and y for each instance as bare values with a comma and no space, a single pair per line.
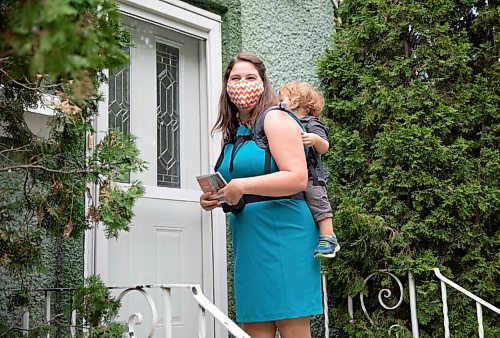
313,140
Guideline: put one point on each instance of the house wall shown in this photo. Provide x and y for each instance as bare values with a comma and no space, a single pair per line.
289,35
63,262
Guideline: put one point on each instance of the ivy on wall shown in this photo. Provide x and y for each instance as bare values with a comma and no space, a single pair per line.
210,6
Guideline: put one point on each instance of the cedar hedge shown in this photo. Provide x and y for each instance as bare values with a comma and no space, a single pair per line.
412,96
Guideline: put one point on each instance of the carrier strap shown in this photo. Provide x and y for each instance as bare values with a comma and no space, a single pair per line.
239,141
260,137
312,170
312,162
258,198
267,162
311,167
221,157
246,199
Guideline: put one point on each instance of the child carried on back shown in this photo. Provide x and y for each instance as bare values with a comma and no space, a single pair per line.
306,103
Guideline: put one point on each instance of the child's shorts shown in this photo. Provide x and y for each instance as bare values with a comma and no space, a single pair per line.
317,200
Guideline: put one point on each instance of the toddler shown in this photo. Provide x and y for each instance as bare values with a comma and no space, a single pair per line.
306,103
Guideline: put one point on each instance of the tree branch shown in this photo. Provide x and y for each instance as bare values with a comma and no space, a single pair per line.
21,148
37,88
17,328
41,167
407,47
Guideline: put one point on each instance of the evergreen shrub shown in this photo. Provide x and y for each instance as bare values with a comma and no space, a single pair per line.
412,95
55,185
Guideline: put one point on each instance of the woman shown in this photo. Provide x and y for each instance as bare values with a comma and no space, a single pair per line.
276,279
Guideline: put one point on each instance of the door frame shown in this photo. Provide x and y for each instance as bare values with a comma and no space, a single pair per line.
206,27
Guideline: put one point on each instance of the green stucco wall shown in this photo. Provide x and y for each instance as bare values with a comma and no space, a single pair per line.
230,12
289,35
63,262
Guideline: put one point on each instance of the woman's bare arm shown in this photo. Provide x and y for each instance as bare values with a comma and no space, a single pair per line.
283,134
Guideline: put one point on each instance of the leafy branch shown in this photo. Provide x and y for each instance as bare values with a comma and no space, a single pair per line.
45,177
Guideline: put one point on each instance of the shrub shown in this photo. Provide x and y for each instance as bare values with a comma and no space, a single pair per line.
412,94
55,53
94,303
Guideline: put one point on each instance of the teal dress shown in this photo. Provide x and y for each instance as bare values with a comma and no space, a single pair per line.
275,274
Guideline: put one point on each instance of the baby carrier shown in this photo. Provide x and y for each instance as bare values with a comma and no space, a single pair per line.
313,161
259,136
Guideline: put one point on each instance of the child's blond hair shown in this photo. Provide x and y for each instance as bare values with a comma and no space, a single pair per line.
305,96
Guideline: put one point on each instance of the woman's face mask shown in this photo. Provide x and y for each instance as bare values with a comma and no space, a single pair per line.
245,94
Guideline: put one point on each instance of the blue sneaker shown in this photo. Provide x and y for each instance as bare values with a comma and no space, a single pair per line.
327,247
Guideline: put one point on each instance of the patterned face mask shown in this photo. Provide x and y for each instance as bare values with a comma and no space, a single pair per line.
245,94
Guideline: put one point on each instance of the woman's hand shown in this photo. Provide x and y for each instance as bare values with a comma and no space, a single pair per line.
232,192
208,204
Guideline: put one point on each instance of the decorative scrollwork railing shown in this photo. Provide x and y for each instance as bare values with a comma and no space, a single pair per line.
204,306
137,318
384,293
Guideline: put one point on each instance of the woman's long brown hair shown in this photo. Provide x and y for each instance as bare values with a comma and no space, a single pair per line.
227,122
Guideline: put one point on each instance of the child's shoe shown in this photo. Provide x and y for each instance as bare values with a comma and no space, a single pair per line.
327,247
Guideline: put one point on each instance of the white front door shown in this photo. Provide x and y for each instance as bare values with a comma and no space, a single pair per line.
162,98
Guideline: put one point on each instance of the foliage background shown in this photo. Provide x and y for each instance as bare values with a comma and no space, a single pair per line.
412,93
53,53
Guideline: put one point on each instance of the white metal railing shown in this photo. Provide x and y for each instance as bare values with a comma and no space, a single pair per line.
325,304
469,294
387,294
48,318
204,306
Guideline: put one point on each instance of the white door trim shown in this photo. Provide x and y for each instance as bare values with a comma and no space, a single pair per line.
205,26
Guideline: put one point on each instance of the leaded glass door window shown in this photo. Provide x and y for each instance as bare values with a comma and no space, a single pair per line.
119,104
157,99
119,100
167,94
168,133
